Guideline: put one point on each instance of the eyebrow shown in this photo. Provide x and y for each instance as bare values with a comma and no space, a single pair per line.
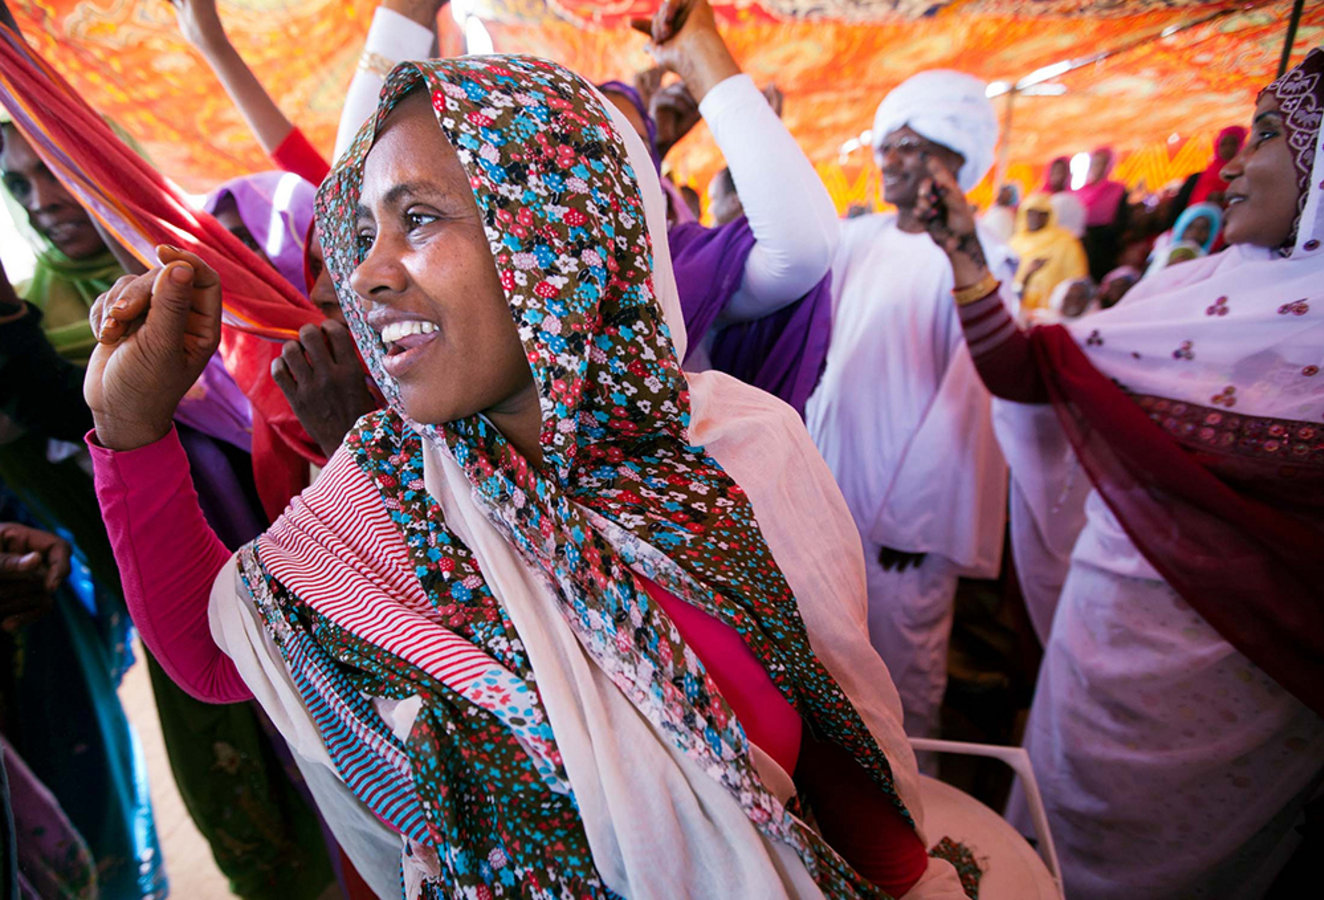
1266,114
393,196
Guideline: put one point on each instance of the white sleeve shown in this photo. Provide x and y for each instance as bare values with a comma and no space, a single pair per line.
789,210
392,38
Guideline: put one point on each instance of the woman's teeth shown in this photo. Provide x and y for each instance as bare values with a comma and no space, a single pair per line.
397,330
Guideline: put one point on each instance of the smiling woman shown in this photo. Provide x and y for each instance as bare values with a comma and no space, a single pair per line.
550,623
1264,207
430,285
1176,726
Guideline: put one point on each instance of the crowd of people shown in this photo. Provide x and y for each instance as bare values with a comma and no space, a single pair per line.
494,527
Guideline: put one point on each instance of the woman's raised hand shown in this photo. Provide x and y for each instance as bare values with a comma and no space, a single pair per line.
684,39
155,334
200,23
950,220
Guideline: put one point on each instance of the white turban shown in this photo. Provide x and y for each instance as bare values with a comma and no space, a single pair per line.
948,108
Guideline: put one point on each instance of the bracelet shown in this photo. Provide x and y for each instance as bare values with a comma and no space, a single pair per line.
375,64
977,291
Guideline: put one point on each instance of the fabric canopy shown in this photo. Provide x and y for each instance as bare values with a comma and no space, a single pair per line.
1158,100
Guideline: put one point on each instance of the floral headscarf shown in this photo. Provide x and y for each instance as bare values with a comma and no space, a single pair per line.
478,783
1300,96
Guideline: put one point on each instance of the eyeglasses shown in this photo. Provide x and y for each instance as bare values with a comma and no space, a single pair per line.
904,146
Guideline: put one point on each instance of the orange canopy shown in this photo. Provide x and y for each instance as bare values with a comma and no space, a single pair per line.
1157,99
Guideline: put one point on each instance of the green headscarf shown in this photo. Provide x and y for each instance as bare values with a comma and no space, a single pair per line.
64,289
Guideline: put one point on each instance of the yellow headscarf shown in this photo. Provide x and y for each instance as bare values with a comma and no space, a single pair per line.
1062,252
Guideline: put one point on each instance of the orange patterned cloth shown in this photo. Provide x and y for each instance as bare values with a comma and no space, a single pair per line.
1158,103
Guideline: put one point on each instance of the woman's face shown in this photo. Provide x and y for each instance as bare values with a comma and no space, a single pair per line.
1100,162
1078,297
1059,175
227,213
1197,232
428,283
322,291
1035,219
52,210
631,113
1262,190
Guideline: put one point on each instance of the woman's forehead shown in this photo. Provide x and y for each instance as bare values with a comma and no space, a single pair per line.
409,145
1266,103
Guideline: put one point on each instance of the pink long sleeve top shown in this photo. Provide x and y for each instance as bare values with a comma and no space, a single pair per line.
169,557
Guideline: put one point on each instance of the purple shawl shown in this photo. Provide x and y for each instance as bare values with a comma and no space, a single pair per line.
782,353
267,199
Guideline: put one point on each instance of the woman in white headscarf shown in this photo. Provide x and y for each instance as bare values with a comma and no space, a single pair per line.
525,634
1176,730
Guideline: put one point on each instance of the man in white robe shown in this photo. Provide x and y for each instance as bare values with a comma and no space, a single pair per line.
900,415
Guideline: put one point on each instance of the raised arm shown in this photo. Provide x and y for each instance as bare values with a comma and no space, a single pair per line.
155,334
789,210
202,28
400,30
1000,349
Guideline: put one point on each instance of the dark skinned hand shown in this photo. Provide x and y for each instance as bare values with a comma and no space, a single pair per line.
33,564
676,112
320,374
155,334
949,219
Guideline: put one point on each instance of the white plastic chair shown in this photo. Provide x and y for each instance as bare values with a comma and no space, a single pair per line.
1019,761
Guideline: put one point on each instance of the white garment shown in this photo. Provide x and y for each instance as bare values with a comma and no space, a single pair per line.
904,424
1170,764
999,222
910,624
1046,503
391,38
1069,211
790,212
900,415
657,826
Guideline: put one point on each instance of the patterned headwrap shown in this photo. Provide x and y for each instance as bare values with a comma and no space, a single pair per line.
368,592
1300,96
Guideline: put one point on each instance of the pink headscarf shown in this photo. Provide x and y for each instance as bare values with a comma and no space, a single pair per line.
1101,198
1211,180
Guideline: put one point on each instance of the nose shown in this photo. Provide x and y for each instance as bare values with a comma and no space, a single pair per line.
47,192
382,275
